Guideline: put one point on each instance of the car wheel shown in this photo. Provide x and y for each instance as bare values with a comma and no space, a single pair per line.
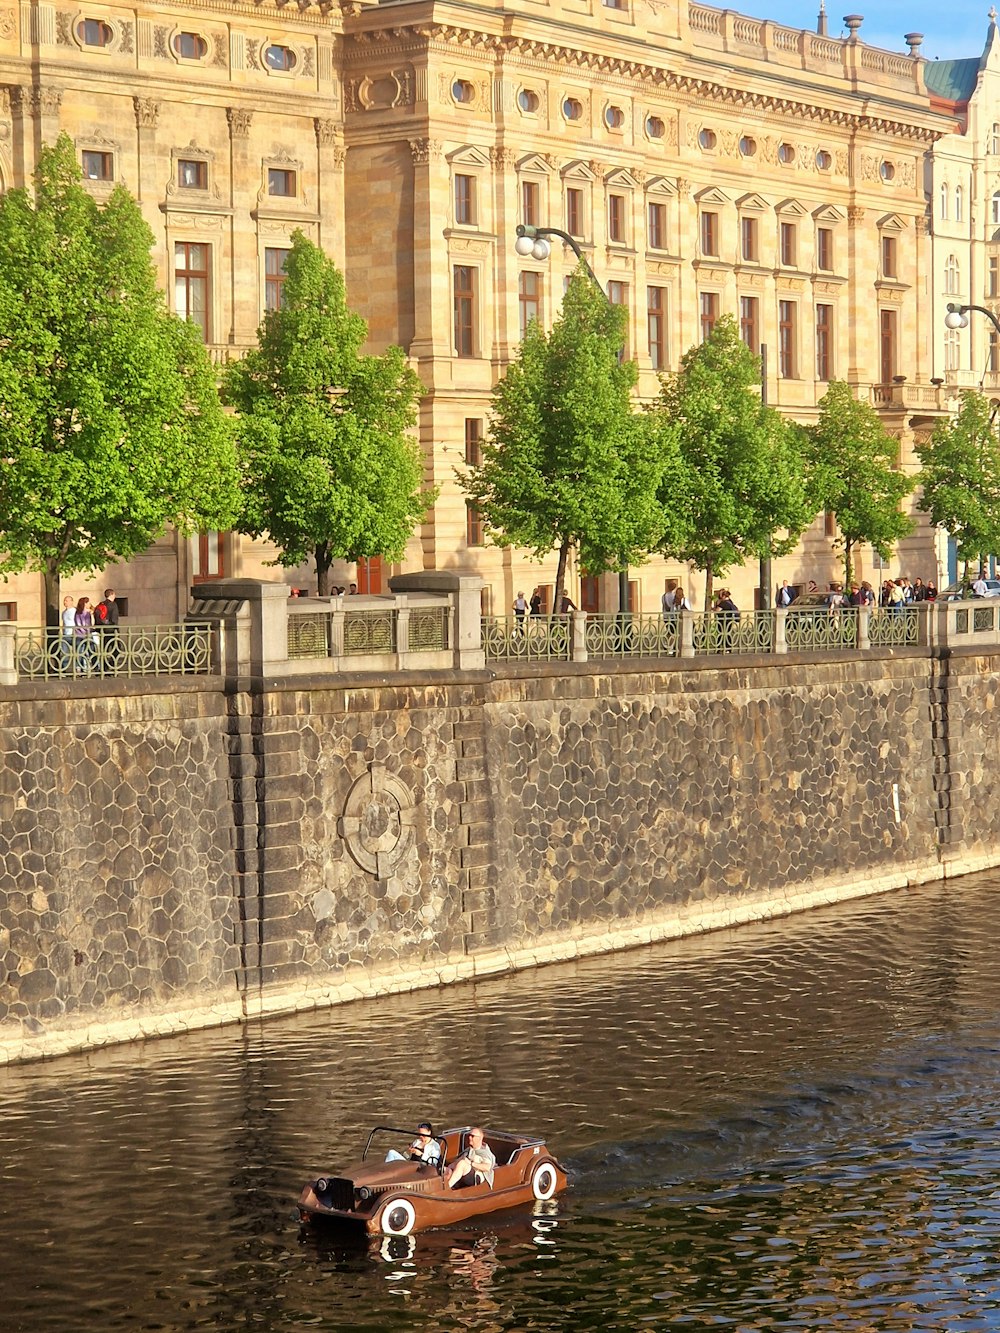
544,1180
398,1218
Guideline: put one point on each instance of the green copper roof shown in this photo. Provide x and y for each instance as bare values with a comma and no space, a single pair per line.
953,79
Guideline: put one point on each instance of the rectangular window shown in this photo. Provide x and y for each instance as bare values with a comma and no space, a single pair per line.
824,249
993,353
473,441
887,344
750,322
473,525
369,580
656,226
824,342
281,181
786,339
710,233
98,166
888,256
529,203
574,212
656,307
748,239
465,310
993,276
829,523
529,296
709,312
787,240
616,218
8,610
206,550
274,278
952,349
191,290
618,295
465,201
192,174
590,594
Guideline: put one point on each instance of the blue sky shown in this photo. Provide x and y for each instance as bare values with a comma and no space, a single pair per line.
950,31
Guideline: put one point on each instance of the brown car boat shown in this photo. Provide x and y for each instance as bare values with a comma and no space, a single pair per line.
395,1198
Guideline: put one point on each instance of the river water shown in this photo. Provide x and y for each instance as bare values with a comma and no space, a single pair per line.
785,1126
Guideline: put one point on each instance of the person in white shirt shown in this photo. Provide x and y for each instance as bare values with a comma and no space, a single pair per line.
424,1148
980,588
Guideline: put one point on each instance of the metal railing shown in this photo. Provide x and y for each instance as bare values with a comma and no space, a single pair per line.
527,638
818,628
632,635
724,632
888,628
186,649
369,632
428,629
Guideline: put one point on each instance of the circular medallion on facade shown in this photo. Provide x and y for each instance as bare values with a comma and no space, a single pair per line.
377,823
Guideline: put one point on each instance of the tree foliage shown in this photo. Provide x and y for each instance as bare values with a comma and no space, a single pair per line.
568,464
960,478
744,489
329,469
112,427
854,460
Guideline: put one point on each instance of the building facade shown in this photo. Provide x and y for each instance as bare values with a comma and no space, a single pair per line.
704,162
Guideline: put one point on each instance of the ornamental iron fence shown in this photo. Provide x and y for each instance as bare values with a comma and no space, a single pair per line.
527,638
632,635
729,632
889,628
820,628
186,649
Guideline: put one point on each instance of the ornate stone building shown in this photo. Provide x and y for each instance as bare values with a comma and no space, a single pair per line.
706,163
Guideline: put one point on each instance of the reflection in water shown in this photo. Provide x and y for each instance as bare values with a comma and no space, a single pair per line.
791,1125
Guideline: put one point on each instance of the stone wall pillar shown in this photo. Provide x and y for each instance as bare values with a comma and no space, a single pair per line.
8,669
467,625
244,183
432,313
147,114
36,122
330,158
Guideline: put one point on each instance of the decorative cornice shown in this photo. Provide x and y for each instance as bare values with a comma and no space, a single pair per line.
393,41
424,151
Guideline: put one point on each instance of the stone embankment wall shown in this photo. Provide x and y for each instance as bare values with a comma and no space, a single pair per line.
215,851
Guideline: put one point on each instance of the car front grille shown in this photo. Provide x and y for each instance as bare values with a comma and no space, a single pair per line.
339,1194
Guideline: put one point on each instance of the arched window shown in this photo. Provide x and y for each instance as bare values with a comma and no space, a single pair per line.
959,203
944,201
952,277
995,207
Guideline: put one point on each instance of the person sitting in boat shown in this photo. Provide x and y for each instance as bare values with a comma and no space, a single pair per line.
477,1158
424,1148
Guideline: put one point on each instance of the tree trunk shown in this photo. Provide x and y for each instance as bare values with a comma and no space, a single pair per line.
847,562
323,562
560,577
765,583
709,575
51,594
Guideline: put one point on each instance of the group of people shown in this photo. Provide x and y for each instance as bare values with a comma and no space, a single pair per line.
532,607
894,594
90,635
477,1159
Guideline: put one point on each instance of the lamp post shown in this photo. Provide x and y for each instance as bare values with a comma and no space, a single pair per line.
531,241
958,318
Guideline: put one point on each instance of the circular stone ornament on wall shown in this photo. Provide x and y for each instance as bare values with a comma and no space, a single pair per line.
377,823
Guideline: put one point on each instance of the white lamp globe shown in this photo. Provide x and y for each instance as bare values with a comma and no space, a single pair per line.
541,249
524,245
956,320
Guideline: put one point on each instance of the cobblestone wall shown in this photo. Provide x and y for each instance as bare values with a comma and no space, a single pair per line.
190,857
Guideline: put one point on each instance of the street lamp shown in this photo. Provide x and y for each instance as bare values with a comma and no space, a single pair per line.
958,316
531,241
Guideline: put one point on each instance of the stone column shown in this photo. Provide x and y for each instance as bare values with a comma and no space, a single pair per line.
36,122
147,113
330,158
506,213
432,312
8,669
856,353
686,300
244,185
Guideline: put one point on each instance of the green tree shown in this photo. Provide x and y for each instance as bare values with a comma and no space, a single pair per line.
854,459
329,469
744,489
960,479
568,464
111,420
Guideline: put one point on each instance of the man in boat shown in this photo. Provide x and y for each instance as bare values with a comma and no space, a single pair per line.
424,1148
477,1158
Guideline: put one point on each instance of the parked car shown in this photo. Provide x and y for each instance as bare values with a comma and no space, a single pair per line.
957,592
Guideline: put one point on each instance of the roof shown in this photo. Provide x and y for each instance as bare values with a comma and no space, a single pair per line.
953,80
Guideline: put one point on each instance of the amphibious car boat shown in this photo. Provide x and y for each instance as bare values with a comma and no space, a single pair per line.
395,1198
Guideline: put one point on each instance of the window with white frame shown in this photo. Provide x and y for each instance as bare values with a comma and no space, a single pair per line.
944,203
959,203
952,276
952,349
995,208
